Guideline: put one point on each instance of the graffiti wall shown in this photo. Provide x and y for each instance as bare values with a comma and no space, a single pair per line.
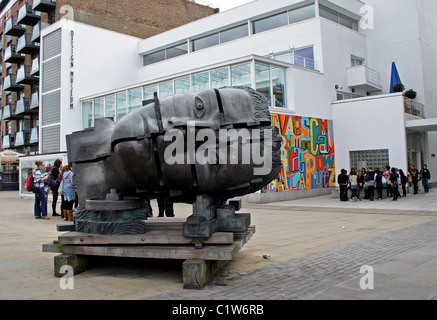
307,153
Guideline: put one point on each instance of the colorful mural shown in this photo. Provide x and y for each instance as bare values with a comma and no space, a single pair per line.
307,153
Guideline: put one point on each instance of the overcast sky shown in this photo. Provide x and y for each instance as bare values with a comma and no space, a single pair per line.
226,4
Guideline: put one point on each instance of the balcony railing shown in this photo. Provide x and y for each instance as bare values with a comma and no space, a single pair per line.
22,108
43,5
25,46
22,138
7,143
414,108
26,16
9,113
34,136
364,78
23,77
11,55
34,102
34,71
12,29
10,84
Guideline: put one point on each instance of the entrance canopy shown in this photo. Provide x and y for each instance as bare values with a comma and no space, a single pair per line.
422,125
9,157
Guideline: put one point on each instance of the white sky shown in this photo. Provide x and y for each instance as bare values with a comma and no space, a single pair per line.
225,4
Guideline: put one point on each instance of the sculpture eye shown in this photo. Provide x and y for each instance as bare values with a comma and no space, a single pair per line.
199,107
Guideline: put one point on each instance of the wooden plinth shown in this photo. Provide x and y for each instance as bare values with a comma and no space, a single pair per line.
163,239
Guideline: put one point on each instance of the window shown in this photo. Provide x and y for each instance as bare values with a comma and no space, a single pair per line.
365,158
304,57
110,107
182,85
87,114
176,51
234,33
328,13
154,57
164,54
99,108
205,42
302,13
348,22
134,99
241,75
338,17
272,22
200,81
262,79
121,104
278,83
149,92
165,89
219,78
356,61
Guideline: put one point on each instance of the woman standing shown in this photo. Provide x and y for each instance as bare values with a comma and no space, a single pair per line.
394,183
54,174
68,192
40,207
403,182
415,176
360,181
371,182
353,178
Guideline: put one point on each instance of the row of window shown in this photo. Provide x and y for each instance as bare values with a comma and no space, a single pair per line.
229,34
267,79
243,30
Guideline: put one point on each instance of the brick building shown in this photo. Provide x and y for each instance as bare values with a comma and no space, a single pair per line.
21,24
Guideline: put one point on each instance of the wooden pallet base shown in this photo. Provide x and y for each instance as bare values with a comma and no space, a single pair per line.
163,240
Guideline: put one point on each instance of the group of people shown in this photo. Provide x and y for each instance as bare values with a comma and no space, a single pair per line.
391,179
60,182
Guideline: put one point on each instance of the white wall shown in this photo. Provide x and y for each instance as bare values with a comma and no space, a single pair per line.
103,60
370,123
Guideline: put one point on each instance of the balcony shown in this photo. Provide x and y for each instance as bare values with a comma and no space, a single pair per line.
24,46
24,77
43,5
27,17
7,143
22,108
10,84
364,78
36,31
34,102
34,71
34,136
22,139
414,108
12,29
11,55
9,114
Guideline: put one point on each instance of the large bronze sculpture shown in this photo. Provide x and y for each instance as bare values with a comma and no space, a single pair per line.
200,148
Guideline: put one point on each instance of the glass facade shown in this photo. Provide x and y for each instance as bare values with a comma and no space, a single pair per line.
302,57
268,79
338,17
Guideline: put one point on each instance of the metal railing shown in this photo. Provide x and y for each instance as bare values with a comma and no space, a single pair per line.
414,108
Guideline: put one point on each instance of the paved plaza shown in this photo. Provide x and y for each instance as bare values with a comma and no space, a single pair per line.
317,248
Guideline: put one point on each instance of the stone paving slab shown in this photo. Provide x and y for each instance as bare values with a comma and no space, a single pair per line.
311,253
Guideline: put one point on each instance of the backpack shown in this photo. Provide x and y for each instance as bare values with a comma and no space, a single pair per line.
30,183
51,182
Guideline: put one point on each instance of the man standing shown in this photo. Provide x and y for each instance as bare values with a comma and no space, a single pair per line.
343,181
425,175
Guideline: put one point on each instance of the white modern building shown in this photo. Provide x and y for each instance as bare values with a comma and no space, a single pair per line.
323,65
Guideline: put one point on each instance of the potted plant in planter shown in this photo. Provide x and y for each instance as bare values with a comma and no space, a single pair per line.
410,94
398,87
